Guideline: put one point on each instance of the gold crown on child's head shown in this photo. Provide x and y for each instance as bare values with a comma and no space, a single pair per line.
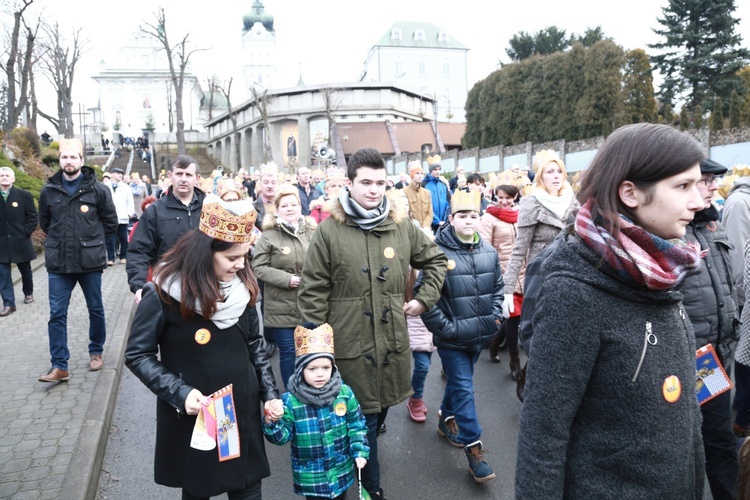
313,341
434,160
466,200
227,221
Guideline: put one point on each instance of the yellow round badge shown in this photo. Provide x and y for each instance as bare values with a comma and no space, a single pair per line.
15,204
340,409
451,264
202,336
84,208
286,250
672,389
389,252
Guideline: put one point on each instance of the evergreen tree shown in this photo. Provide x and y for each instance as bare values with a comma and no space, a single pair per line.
744,74
638,88
600,107
717,115
590,37
698,117
735,111
668,114
544,42
700,51
684,119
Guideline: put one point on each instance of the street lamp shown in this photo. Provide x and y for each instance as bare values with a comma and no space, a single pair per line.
448,114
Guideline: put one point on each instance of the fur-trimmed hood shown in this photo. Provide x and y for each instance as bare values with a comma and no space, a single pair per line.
397,212
270,222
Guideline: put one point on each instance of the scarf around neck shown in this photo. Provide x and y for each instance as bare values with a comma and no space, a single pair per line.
320,398
228,312
365,219
558,205
638,256
509,216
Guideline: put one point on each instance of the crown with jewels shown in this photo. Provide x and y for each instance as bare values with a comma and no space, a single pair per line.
434,160
466,200
315,341
230,221
269,168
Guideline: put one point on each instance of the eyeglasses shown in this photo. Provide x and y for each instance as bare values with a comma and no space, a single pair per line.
707,181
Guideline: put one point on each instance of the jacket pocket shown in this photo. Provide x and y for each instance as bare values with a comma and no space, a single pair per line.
93,253
648,340
52,253
398,333
352,321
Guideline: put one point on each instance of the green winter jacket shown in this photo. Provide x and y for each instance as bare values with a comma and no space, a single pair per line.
355,281
278,255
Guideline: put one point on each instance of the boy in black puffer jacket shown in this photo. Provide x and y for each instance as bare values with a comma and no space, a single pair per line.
463,322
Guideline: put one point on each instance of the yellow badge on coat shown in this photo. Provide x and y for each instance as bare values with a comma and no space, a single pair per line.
340,409
15,204
285,250
451,264
389,252
203,336
671,389
84,208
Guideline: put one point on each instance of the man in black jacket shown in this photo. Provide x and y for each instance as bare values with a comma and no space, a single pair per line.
165,222
78,214
18,219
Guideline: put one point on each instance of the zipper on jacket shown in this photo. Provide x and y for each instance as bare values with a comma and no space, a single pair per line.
650,338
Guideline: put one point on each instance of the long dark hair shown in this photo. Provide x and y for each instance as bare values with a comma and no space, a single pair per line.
644,154
191,258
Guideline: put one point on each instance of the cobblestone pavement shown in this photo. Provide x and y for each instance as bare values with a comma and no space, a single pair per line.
52,436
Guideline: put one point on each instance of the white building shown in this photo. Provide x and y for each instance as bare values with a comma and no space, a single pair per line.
424,57
136,92
259,49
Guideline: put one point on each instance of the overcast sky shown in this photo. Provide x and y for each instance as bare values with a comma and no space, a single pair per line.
329,39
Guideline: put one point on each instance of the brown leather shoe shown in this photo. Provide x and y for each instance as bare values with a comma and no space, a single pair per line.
55,375
7,310
28,299
96,363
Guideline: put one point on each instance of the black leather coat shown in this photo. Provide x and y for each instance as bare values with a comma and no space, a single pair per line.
235,355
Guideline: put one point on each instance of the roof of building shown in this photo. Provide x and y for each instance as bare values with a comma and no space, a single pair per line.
257,14
219,100
415,34
410,136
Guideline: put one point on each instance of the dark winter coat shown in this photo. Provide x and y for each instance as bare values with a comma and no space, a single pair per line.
18,219
355,281
235,355
710,298
163,223
76,226
595,422
470,306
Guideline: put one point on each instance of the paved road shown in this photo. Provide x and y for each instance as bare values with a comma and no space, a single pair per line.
415,462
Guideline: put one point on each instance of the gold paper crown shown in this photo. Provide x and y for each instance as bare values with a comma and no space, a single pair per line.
545,156
227,221
72,145
466,200
269,168
334,175
319,340
434,160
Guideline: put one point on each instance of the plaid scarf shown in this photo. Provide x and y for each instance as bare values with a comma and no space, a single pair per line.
638,256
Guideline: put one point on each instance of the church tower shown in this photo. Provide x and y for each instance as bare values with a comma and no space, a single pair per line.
259,48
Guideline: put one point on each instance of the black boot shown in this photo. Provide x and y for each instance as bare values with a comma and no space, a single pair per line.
494,345
521,384
515,366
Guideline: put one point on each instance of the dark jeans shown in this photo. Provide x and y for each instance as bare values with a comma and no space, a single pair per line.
340,497
720,445
60,288
422,361
458,399
284,338
252,492
509,330
371,472
6,282
122,237
742,394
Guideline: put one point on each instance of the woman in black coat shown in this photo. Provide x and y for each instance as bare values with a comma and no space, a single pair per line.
199,315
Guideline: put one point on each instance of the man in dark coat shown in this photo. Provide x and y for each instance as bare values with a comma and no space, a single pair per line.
77,213
18,219
164,222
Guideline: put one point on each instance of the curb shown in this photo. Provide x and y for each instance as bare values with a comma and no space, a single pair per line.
82,478
38,264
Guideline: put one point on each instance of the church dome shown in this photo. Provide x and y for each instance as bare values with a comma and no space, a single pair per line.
257,14
219,100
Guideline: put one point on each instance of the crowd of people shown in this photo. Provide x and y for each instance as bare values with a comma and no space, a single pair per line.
610,292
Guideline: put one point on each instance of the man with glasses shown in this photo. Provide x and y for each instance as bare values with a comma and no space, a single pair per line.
710,299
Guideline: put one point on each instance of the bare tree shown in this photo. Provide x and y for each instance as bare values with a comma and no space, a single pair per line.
170,107
15,102
213,85
261,104
332,103
178,57
227,90
59,65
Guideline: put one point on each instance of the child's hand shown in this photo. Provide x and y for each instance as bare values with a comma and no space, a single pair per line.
273,410
360,462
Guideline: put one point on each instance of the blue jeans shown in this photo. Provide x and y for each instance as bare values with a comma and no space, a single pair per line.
421,367
371,472
120,236
458,400
284,338
60,288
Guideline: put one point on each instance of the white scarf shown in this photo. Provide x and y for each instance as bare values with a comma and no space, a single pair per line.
558,205
236,297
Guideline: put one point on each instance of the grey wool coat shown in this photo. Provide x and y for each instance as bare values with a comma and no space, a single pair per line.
596,421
